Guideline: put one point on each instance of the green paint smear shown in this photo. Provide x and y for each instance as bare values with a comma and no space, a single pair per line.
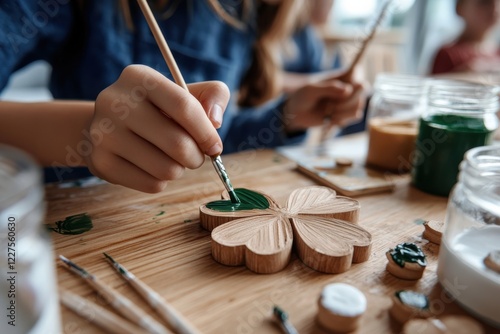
76,224
413,299
161,213
408,252
249,200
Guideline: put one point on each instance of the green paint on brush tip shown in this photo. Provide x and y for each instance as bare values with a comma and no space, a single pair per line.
234,198
281,315
116,265
248,200
408,252
413,299
76,224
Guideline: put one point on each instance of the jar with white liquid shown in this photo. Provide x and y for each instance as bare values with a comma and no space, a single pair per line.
28,286
472,235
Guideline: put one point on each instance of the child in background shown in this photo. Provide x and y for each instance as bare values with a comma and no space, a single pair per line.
470,52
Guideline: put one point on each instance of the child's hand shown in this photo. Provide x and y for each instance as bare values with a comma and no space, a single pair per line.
151,129
308,106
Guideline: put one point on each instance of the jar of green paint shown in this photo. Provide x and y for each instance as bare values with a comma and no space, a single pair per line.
28,284
458,116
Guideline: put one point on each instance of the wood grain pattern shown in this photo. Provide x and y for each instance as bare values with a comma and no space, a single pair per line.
172,254
320,223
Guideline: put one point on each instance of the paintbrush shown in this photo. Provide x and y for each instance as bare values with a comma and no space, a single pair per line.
176,73
120,303
178,323
98,315
281,318
347,75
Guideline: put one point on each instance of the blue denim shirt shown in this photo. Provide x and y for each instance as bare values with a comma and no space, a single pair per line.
88,50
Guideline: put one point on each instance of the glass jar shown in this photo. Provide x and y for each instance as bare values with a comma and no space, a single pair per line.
28,286
393,114
472,232
458,116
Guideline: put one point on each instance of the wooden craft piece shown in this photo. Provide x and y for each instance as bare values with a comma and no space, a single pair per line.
340,307
343,162
407,304
492,261
406,261
348,181
321,224
433,231
451,324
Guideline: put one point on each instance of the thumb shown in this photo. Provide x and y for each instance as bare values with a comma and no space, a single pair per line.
214,97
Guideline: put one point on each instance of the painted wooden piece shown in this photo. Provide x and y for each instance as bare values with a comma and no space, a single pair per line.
433,231
406,261
321,224
408,304
340,307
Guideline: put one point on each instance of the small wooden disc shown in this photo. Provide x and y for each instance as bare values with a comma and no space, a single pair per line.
492,261
343,162
433,231
340,307
402,312
410,271
452,324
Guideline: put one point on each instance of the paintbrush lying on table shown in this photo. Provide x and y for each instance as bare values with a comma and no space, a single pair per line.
119,302
176,73
347,76
94,313
178,323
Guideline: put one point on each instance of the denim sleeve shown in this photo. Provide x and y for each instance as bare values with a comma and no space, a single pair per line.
310,50
257,128
31,30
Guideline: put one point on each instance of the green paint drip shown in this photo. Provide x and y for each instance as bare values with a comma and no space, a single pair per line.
408,252
249,200
413,299
76,224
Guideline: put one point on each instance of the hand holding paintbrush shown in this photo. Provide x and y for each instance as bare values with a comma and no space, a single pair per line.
347,75
176,73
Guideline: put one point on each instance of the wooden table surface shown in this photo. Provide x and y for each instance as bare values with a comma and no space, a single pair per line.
158,238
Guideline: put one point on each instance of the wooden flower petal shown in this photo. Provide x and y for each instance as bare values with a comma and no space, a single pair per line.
324,202
263,243
210,219
330,245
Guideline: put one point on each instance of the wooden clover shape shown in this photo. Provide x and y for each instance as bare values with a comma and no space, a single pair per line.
323,225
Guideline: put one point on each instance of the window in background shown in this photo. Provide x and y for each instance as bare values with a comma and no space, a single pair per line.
349,24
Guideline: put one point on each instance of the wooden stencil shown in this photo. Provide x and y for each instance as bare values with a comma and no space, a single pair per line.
321,224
